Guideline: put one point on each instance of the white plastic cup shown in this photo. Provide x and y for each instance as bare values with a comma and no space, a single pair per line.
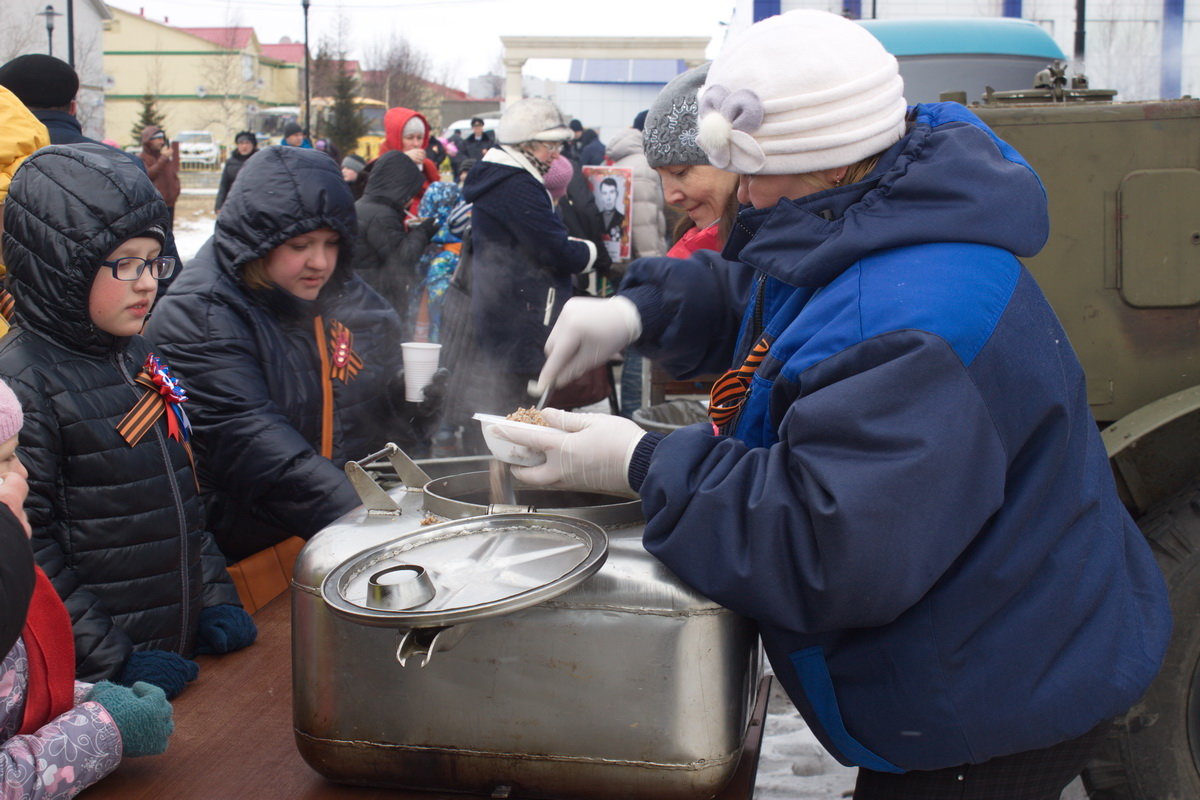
420,362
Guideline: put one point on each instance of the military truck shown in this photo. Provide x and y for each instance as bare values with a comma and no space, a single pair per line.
1122,270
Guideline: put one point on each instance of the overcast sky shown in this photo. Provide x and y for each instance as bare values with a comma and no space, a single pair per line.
462,37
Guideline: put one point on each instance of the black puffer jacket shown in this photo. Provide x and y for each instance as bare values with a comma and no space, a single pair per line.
251,361
118,529
385,254
229,173
524,261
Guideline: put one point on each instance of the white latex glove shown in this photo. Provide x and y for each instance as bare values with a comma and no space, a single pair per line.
594,454
590,331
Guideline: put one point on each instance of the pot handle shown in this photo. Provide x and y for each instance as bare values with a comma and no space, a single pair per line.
373,497
414,477
424,642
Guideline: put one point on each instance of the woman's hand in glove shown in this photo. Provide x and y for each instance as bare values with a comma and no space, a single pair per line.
224,628
142,713
590,331
593,455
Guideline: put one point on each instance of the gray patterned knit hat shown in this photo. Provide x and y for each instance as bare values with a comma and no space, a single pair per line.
671,126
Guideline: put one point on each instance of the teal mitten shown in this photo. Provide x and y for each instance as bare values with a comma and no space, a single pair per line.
142,713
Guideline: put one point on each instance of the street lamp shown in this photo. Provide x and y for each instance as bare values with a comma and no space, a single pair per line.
307,68
50,14
71,32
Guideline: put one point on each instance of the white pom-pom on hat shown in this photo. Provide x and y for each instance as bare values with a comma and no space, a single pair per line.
729,118
713,138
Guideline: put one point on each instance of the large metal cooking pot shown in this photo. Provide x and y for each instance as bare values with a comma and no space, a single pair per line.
593,678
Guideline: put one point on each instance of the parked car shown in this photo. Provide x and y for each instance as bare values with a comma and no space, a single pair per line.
463,126
198,148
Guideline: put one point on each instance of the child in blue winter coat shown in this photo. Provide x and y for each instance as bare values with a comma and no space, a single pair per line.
901,482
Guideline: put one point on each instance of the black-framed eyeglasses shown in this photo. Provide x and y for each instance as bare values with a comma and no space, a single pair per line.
130,268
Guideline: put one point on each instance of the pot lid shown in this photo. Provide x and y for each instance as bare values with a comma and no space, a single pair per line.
466,570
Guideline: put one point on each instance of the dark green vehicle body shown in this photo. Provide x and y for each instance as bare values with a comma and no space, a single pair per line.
1122,270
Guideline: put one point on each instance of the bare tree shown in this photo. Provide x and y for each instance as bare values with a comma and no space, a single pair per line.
400,73
226,79
329,63
16,40
495,78
90,100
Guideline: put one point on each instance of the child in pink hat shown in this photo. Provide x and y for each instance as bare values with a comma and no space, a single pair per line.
57,735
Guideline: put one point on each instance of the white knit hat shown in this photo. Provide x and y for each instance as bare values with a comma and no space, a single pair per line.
800,92
532,119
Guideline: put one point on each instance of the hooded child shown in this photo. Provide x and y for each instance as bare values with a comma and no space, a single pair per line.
118,522
389,244
293,361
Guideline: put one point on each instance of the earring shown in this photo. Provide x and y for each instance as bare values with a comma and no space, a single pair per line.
838,180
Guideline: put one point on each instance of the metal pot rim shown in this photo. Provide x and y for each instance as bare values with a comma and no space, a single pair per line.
437,500
572,530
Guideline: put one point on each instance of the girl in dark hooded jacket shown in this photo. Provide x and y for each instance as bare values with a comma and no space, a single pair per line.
118,524
386,249
292,360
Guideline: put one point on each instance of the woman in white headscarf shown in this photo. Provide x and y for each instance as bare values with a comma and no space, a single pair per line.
522,256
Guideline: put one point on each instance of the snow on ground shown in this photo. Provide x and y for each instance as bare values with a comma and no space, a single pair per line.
793,765
192,231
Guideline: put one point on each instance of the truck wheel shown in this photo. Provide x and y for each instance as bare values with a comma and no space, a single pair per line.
1153,752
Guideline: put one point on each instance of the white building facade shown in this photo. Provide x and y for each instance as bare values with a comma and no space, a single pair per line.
23,30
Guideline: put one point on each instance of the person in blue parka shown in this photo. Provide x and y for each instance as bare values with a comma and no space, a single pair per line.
901,483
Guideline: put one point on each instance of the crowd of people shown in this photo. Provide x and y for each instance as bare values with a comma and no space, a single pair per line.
904,529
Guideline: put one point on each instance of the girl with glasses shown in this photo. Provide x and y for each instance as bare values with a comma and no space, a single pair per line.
117,521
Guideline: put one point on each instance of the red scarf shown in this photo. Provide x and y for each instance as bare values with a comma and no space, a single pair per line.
706,238
50,645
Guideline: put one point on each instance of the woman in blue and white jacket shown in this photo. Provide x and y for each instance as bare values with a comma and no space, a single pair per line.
902,484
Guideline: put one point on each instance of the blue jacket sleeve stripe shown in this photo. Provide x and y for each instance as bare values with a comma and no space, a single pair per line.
818,688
